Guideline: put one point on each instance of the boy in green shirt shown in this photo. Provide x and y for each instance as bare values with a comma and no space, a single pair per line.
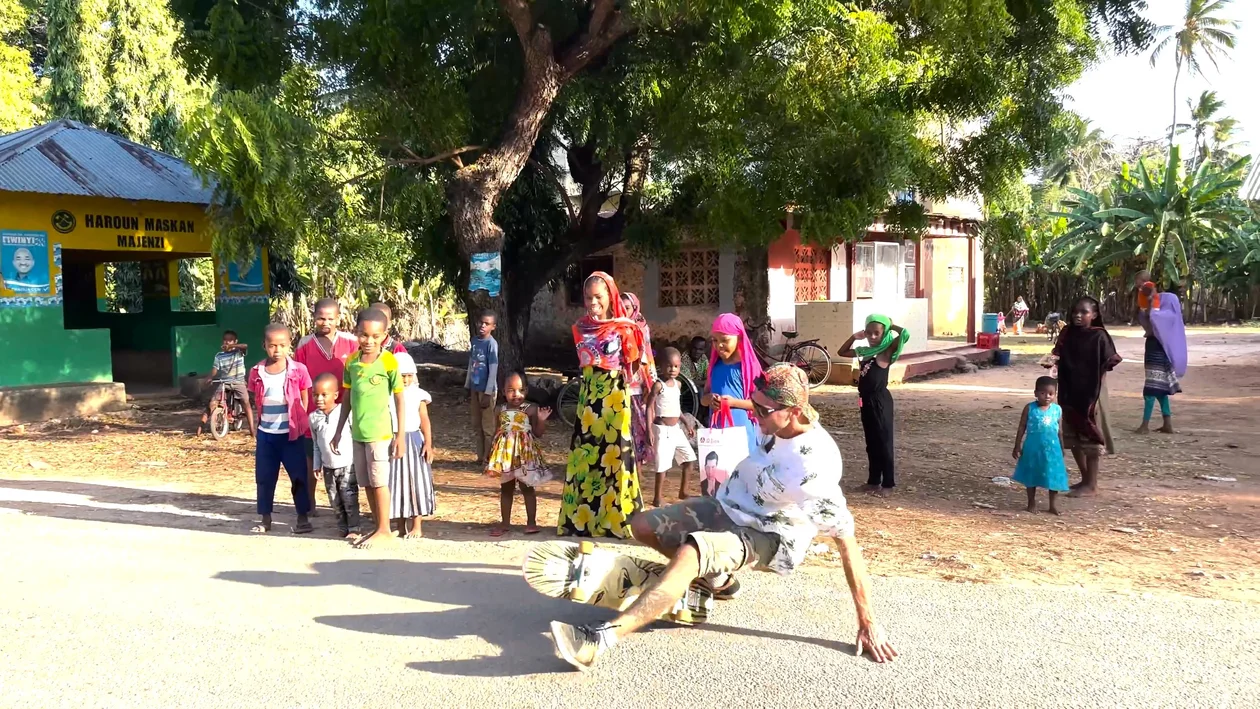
372,377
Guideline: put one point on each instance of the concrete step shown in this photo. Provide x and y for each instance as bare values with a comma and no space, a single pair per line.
918,364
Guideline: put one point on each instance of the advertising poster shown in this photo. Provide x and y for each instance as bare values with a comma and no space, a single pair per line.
249,282
25,263
484,273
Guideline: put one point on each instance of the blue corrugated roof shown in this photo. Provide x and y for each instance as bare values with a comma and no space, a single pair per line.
69,158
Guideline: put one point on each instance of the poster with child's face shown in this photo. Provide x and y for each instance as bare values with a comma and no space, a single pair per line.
24,261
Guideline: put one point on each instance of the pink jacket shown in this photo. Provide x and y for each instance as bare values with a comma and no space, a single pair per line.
296,380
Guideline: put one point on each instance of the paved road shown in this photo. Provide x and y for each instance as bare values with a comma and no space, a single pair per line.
141,614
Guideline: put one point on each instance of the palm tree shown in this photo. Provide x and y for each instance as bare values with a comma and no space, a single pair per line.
1206,126
1202,34
1088,160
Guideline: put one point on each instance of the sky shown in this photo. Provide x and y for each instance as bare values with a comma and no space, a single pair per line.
1128,99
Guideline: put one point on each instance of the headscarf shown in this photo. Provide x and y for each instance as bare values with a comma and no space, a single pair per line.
786,385
406,364
750,366
1085,354
619,325
1170,330
891,339
635,313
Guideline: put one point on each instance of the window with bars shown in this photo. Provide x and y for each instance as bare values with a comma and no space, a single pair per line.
691,278
812,274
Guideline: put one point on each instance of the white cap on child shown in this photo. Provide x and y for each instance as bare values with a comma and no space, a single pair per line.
406,365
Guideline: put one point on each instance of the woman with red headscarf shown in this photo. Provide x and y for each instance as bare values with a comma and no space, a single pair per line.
601,481
641,384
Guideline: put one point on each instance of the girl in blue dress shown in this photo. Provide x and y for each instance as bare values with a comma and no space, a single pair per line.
1040,455
733,369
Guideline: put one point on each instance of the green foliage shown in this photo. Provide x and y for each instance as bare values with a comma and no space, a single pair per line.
18,86
111,64
1202,34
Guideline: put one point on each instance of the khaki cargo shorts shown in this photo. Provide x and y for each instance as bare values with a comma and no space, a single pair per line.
371,463
724,546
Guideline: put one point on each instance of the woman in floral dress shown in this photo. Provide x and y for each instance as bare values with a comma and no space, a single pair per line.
601,484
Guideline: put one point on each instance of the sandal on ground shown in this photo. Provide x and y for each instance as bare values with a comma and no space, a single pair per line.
498,531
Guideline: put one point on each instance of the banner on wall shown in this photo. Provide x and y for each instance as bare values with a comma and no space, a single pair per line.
484,273
25,262
247,282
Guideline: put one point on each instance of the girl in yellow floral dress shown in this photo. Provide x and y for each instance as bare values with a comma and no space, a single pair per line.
515,456
601,480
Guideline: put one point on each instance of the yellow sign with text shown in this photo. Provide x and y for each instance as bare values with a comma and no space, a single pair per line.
109,224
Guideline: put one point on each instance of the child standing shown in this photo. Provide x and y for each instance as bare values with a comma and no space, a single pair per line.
733,368
885,342
1084,354
229,369
482,383
671,443
338,468
372,377
1040,455
516,459
410,477
695,363
281,388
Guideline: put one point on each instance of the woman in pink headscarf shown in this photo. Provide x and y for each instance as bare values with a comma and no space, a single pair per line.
733,370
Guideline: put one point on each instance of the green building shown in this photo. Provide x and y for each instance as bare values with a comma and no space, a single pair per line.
76,202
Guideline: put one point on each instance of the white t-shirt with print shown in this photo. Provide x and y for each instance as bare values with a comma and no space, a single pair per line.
792,490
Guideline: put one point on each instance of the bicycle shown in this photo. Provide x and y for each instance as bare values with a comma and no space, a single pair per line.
808,355
569,397
229,413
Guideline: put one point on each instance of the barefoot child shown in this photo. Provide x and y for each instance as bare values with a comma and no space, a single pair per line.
281,388
338,468
875,404
410,477
1040,455
372,377
515,458
671,443
482,382
1084,354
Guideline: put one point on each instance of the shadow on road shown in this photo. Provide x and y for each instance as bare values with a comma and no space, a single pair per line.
493,602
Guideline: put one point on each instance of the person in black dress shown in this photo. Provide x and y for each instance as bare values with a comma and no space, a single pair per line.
885,342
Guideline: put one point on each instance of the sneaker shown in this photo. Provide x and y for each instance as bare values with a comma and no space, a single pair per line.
728,592
581,645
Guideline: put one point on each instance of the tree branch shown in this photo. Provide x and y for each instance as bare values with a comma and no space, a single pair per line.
606,26
564,195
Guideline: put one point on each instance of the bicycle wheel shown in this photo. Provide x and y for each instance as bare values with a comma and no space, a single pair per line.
689,397
816,362
568,399
218,422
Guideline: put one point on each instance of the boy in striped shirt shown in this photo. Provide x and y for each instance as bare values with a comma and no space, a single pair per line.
281,387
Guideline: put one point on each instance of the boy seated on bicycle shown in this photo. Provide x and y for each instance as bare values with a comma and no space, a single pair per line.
229,373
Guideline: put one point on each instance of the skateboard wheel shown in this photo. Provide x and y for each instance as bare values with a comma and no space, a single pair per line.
586,547
578,595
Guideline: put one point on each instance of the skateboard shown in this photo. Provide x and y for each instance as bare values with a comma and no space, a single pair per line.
582,573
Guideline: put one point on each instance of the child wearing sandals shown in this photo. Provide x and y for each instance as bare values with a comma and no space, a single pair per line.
411,477
281,387
515,457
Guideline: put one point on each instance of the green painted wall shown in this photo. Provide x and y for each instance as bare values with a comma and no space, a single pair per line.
193,348
248,320
35,348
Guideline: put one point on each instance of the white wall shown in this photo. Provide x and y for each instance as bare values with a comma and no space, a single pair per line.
833,322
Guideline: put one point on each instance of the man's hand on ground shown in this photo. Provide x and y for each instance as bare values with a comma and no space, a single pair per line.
871,638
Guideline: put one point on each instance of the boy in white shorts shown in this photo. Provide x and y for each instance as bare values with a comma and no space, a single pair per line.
668,434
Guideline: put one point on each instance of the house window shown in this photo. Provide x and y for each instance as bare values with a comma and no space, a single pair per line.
910,275
884,269
864,271
579,272
812,274
690,279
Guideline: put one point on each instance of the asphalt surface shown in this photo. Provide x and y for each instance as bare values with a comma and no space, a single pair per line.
134,613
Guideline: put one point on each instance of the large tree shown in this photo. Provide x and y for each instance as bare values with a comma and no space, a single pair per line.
19,89
463,119
1202,34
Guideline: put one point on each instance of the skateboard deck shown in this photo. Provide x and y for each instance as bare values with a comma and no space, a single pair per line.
583,573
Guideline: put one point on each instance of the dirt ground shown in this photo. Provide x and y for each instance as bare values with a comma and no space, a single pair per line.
1156,527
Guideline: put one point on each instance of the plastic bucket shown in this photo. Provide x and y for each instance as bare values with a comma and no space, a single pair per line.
1002,358
989,323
